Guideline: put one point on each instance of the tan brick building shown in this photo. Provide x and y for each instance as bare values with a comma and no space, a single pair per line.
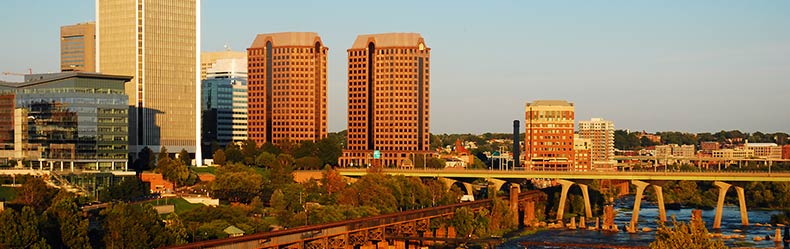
388,100
78,47
601,133
287,88
549,135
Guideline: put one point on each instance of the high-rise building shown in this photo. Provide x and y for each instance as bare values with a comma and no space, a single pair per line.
78,47
388,100
549,135
208,59
224,102
155,41
287,88
601,133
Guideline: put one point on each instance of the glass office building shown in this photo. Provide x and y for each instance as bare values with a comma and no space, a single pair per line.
66,121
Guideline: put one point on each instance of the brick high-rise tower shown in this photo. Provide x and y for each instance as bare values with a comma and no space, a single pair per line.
388,100
549,135
286,88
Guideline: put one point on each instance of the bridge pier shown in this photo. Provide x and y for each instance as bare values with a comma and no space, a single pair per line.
723,187
515,190
449,183
662,213
497,185
640,189
566,185
563,197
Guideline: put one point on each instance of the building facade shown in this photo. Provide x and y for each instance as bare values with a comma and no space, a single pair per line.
674,150
583,154
549,135
209,59
155,41
287,88
388,100
224,103
78,47
786,151
66,121
732,153
601,133
765,150
708,147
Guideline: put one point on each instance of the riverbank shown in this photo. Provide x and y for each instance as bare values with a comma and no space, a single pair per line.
732,233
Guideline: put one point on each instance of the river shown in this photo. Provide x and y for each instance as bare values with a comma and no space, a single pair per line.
731,220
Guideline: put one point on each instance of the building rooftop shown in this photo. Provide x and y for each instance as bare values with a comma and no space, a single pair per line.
389,40
761,144
287,39
549,103
35,79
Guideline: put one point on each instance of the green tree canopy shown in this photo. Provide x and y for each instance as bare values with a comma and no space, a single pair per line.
684,235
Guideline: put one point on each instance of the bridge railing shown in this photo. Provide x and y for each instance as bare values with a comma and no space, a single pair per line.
639,171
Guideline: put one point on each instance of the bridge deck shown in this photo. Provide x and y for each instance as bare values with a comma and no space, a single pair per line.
589,175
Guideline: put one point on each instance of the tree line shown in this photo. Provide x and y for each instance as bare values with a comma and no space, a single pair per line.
43,217
625,140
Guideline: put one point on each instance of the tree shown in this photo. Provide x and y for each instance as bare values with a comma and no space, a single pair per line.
35,193
282,172
464,222
329,150
308,163
646,142
237,183
332,182
176,229
265,160
163,155
20,230
121,218
271,148
68,227
145,160
174,171
233,154
219,157
130,188
306,148
183,155
684,235
279,207
287,146
249,150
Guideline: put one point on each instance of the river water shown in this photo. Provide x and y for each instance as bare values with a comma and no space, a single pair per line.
731,220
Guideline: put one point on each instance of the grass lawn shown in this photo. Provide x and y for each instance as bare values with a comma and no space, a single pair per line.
204,169
180,204
7,193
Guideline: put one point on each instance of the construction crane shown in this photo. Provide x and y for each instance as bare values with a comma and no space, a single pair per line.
29,71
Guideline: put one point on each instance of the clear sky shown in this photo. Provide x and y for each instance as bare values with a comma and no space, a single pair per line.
648,65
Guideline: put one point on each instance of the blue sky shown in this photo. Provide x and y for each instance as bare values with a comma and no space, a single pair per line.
648,65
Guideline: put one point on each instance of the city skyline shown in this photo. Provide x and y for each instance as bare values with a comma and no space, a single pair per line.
646,66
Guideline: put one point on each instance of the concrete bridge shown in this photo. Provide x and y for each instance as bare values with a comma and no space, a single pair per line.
379,231
640,179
